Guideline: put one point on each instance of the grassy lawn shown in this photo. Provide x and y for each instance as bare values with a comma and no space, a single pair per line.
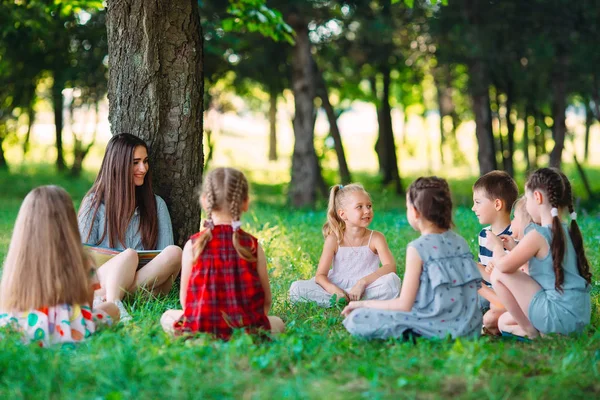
315,358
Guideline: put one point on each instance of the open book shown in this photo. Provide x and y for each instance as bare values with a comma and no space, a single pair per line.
103,254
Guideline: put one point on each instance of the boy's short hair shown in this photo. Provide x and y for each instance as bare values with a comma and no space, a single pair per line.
498,185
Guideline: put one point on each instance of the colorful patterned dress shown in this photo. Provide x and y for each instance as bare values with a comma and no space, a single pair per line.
224,291
62,323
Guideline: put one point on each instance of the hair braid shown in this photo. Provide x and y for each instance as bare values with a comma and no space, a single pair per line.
583,265
551,182
209,193
432,198
236,185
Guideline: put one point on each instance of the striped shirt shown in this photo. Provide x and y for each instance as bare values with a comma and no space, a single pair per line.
485,254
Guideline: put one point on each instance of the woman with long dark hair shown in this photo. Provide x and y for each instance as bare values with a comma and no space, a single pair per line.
122,212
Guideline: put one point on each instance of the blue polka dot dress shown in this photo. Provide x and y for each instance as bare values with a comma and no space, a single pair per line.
446,302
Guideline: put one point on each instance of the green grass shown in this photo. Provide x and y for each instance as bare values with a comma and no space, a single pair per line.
315,358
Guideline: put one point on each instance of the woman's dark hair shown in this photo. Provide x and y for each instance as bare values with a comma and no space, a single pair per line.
431,197
114,186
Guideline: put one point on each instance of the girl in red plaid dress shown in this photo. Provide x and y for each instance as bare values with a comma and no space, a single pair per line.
224,280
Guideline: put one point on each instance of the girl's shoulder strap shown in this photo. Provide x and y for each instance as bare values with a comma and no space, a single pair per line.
370,237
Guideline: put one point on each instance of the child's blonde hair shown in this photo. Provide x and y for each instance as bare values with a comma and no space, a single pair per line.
337,197
46,264
224,189
519,208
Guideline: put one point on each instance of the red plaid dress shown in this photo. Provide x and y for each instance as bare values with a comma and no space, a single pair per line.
224,291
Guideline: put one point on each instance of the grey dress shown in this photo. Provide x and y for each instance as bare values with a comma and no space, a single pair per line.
551,311
446,301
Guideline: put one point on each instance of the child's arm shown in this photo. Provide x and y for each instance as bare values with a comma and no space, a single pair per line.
532,245
187,262
263,275
388,264
491,296
483,272
325,261
408,294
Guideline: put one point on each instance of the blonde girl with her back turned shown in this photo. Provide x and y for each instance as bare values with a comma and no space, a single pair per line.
48,279
349,266
224,278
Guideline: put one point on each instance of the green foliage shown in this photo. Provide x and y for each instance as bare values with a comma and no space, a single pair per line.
255,16
315,357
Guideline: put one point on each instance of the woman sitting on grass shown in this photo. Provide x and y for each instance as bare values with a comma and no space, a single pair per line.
224,280
48,280
122,212
439,294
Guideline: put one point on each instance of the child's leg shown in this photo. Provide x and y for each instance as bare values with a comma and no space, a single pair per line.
516,291
488,293
116,275
168,319
490,319
385,287
277,325
307,291
158,275
111,309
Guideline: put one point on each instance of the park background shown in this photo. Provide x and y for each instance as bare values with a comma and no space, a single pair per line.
378,92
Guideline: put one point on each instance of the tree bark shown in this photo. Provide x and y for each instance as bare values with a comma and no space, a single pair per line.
589,119
155,91
57,105
273,94
479,87
510,135
333,127
386,133
305,174
3,163
559,129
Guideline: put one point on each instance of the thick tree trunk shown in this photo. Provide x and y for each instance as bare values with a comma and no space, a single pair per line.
559,129
57,105
486,154
510,136
155,91
386,133
305,173
273,94
333,127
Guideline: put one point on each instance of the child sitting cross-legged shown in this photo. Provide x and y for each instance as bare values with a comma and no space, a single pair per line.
439,294
48,279
224,279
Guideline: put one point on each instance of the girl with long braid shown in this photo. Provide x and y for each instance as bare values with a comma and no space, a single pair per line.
554,297
224,279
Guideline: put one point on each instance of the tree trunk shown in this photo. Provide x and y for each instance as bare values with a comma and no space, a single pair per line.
480,95
3,163
57,105
273,94
500,141
559,105
589,119
30,119
510,135
386,133
378,147
155,91
333,127
305,174
527,130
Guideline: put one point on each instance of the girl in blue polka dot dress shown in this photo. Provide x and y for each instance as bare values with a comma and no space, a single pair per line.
48,280
439,294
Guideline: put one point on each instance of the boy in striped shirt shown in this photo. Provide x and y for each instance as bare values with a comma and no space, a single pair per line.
493,196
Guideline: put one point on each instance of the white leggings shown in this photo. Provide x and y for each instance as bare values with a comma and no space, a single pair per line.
384,288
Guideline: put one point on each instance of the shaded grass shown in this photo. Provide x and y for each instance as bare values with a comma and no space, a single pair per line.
315,358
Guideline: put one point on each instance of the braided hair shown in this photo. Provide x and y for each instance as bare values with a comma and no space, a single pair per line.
549,181
224,189
583,266
431,197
